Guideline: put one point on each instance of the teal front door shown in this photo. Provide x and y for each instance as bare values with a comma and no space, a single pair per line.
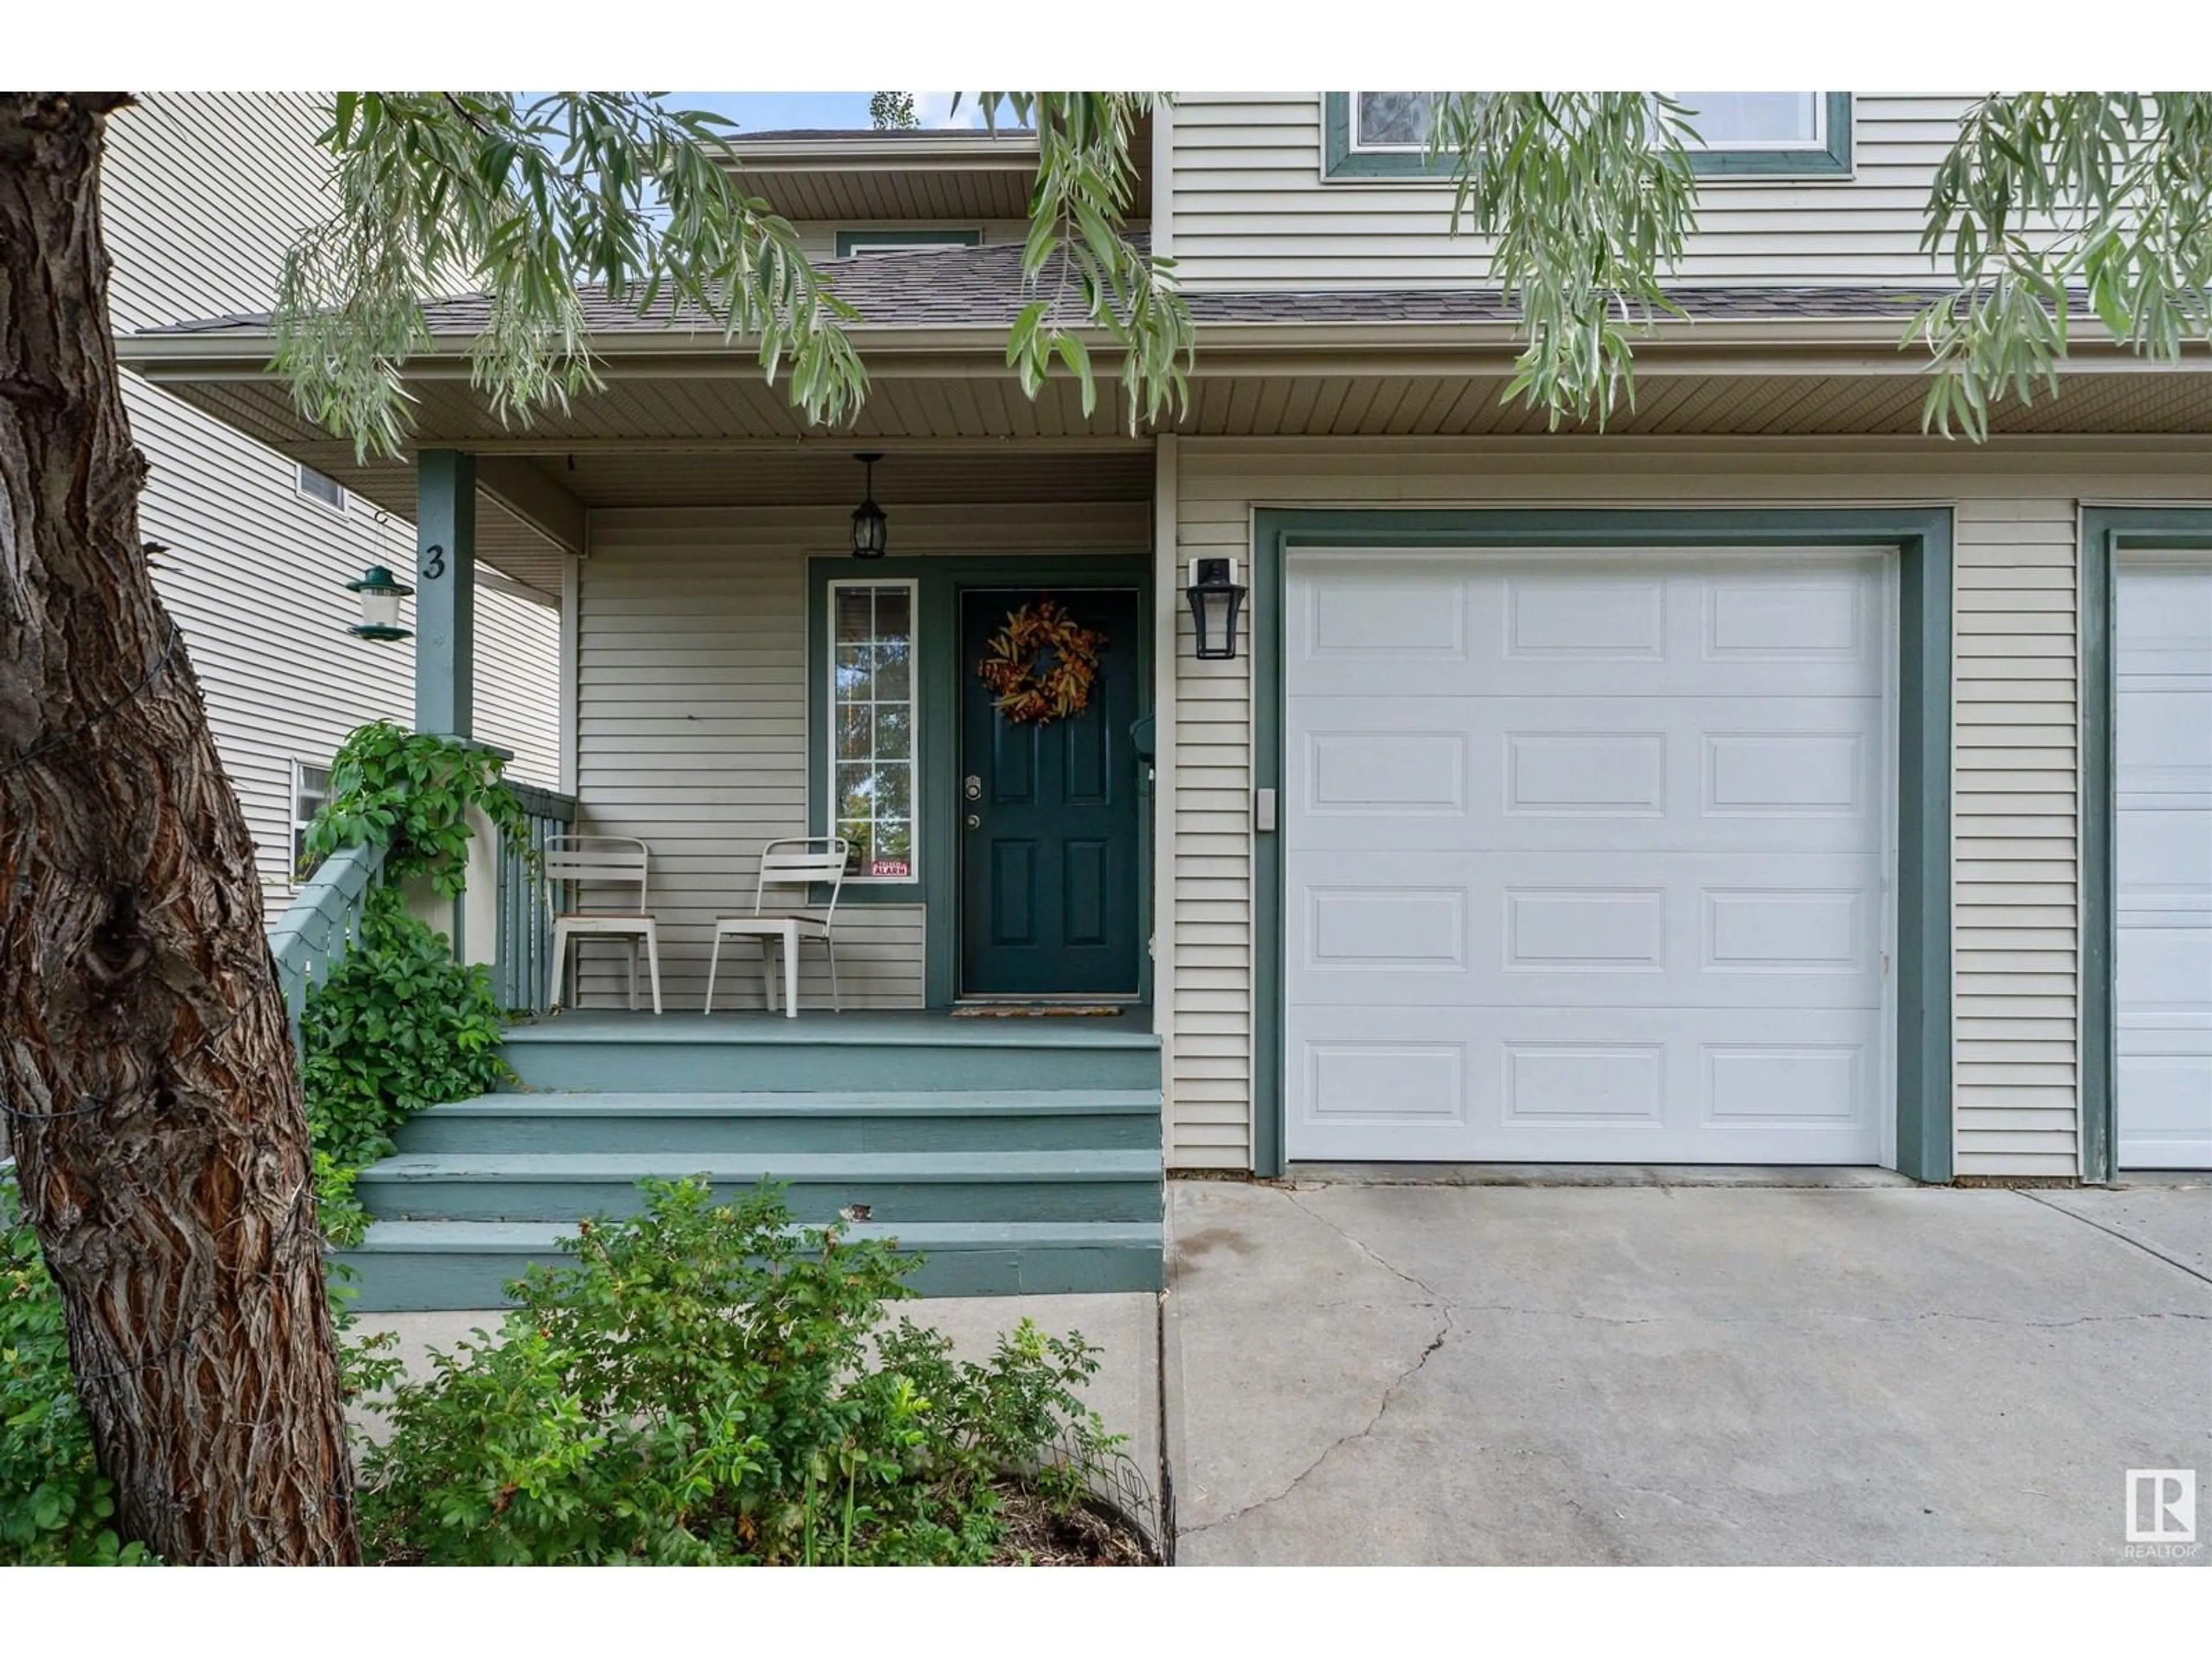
1048,865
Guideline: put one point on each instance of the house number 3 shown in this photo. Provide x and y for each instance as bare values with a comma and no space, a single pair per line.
436,567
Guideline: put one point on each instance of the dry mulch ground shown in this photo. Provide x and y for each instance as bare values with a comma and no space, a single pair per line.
1086,1537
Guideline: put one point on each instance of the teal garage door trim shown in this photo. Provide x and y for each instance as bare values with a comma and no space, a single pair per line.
1924,539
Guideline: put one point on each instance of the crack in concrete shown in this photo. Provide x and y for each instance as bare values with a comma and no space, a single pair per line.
2148,1249
1435,1299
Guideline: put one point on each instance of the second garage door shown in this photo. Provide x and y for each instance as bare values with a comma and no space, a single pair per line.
2163,658
1586,857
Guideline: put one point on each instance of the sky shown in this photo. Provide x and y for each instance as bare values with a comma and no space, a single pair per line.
769,112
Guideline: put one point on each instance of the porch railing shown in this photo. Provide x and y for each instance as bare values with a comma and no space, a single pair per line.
322,923
525,926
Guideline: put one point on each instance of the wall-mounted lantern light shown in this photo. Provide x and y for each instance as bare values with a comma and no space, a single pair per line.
381,592
1215,599
870,527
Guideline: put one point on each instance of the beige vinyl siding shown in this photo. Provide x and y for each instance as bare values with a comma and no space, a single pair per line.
1250,208
518,688
692,709
201,195
255,577
2017,810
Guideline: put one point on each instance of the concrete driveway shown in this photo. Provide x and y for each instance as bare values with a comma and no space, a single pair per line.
1419,1375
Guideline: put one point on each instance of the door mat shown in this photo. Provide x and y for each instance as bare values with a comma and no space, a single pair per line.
1038,1010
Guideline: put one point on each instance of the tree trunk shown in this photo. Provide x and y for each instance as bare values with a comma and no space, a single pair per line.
144,1059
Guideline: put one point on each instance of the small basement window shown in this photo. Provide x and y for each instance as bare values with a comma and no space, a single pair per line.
872,738
1385,135
852,242
311,792
320,487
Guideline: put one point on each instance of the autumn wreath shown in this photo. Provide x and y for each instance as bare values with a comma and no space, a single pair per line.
1042,664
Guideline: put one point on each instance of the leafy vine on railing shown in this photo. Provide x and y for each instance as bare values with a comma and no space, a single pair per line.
413,792
399,1024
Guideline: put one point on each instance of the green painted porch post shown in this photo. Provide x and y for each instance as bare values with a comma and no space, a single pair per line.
445,592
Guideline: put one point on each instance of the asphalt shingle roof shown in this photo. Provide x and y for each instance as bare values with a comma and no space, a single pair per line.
982,286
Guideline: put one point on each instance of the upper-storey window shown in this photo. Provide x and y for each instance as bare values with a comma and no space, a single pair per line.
320,487
903,240
1385,135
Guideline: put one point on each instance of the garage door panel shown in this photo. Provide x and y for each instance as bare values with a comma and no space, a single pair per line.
2162,852
2165,968
1718,930
1594,868
2167,1105
1393,772
1573,624
1648,1086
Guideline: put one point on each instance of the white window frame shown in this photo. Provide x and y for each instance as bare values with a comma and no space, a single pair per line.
830,817
301,820
1818,144
1417,147
853,243
302,473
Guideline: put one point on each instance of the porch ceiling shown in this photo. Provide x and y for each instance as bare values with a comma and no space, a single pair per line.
686,420
728,402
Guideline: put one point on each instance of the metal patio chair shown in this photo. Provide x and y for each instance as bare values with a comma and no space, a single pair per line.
601,861
803,862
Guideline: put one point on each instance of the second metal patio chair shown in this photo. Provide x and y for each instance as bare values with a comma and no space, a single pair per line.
804,862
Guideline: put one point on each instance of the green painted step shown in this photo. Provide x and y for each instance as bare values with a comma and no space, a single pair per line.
899,1188
909,1052
417,1266
1010,1121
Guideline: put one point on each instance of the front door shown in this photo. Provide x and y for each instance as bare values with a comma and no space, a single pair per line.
1049,902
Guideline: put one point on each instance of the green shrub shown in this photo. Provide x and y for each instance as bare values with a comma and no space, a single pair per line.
695,1388
56,1507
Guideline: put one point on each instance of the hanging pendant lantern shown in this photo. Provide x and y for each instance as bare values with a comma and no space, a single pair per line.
870,527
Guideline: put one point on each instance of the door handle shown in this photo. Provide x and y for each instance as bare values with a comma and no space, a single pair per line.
975,821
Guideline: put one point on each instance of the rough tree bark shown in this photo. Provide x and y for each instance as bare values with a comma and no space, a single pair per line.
161,1143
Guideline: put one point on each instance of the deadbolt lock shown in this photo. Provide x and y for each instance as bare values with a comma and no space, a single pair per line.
972,787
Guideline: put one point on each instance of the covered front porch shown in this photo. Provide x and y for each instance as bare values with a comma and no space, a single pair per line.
981,1080
733,677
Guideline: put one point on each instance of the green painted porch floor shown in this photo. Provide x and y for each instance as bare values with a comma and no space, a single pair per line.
936,1028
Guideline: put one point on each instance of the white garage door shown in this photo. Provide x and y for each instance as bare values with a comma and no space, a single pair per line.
1585,857
2162,659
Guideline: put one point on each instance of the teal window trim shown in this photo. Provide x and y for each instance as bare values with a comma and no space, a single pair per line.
1339,160
1923,538
2106,533
939,584
907,237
